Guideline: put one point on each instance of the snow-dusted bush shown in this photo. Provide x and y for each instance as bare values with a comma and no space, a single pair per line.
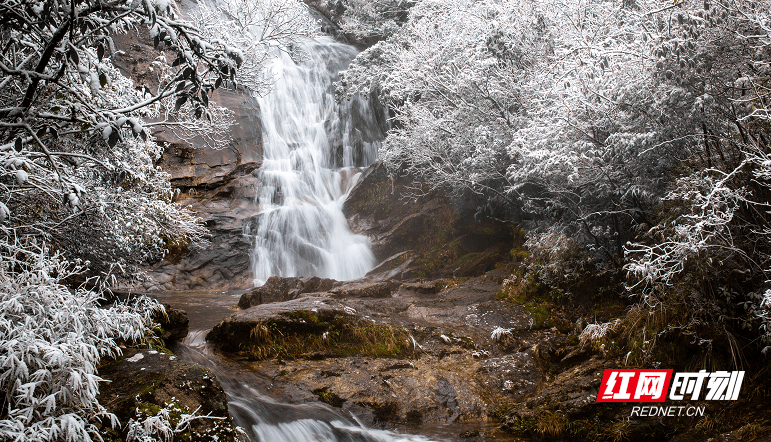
255,30
174,419
375,20
709,247
51,341
597,331
555,258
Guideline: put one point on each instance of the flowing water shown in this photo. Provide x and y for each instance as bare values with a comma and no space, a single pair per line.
266,420
312,146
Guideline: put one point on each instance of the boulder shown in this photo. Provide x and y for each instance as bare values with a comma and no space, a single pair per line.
365,289
277,289
235,331
174,324
142,383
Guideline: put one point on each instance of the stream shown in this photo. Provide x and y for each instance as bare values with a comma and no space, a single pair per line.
267,420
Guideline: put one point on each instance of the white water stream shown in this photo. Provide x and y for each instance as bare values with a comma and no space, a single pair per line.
266,420
312,147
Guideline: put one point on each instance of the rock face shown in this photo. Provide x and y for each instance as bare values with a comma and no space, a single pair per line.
145,383
423,237
223,263
217,182
437,363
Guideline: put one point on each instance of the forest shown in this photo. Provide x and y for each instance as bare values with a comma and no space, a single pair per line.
631,136
628,138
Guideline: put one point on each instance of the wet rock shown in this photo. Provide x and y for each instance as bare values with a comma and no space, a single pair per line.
426,288
278,289
423,237
470,434
365,290
142,382
174,324
378,392
396,267
234,331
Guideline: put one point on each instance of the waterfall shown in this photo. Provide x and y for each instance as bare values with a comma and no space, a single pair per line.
312,148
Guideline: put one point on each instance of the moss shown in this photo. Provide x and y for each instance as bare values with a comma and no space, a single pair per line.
147,409
541,316
155,342
334,334
329,397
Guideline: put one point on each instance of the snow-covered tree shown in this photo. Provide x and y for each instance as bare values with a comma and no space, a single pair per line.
711,234
75,150
599,120
258,28
76,154
569,115
374,20
452,77
81,200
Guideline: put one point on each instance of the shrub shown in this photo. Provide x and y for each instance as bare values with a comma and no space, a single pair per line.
51,341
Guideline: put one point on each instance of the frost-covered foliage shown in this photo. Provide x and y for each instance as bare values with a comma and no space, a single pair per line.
113,199
639,129
711,242
558,114
254,30
76,155
501,100
452,74
375,20
597,331
555,258
170,420
51,341
499,332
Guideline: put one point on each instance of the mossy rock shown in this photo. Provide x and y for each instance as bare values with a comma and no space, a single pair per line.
143,383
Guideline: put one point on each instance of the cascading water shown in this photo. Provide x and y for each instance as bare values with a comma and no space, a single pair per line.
311,145
265,420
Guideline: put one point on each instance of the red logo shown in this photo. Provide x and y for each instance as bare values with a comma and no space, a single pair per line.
634,385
